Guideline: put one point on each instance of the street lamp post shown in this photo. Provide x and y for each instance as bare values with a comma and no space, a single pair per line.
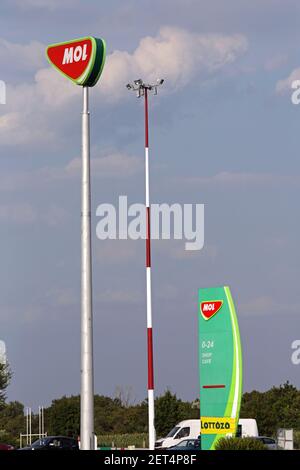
142,89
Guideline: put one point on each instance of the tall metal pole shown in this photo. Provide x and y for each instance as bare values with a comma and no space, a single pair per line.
148,284
87,369
30,426
27,425
43,425
40,422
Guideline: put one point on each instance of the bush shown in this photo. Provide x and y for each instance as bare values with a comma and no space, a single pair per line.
237,443
296,439
170,410
7,438
138,440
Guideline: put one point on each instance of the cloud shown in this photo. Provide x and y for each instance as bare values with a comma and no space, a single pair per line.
116,251
35,113
46,4
166,292
15,130
53,89
275,62
109,166
114,165
226,178
55,216
63,296
22,57
17,213
119,297
175,250
267,305
174,54
25,214
285,85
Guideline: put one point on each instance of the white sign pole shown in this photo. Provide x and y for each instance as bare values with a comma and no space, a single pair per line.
87,369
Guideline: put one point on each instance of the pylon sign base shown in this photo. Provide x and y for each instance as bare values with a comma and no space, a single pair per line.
81,60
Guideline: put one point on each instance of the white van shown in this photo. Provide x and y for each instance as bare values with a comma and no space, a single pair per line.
247,428
190,429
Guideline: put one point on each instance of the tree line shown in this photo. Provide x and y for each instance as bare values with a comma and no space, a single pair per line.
276,408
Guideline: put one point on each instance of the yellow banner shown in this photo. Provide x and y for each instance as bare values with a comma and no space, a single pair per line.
215,425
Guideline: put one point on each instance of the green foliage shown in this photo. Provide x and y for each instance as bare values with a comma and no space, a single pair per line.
169,410
118,421
297,440
63,417
114,417
279,407
5,376
236,443
123,440
11,423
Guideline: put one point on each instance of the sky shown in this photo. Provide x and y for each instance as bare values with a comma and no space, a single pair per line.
223,133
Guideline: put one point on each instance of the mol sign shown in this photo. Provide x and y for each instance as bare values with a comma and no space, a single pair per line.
220,362
209,309
81,60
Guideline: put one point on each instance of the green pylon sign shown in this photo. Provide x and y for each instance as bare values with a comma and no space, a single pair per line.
220,364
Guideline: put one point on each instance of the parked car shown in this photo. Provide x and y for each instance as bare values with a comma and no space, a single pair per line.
6,447
54,443
269,442
187,444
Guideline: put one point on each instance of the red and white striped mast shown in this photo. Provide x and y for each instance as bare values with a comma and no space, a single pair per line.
142,89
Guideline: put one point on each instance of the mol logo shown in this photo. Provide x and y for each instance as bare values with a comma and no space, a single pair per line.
81,60
75,54
209,309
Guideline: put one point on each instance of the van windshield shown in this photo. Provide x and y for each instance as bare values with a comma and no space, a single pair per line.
173,432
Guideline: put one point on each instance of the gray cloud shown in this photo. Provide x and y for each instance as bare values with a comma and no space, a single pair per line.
227,178
109,166
29,57
285,85
267,305
17,213
46,4
174,53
